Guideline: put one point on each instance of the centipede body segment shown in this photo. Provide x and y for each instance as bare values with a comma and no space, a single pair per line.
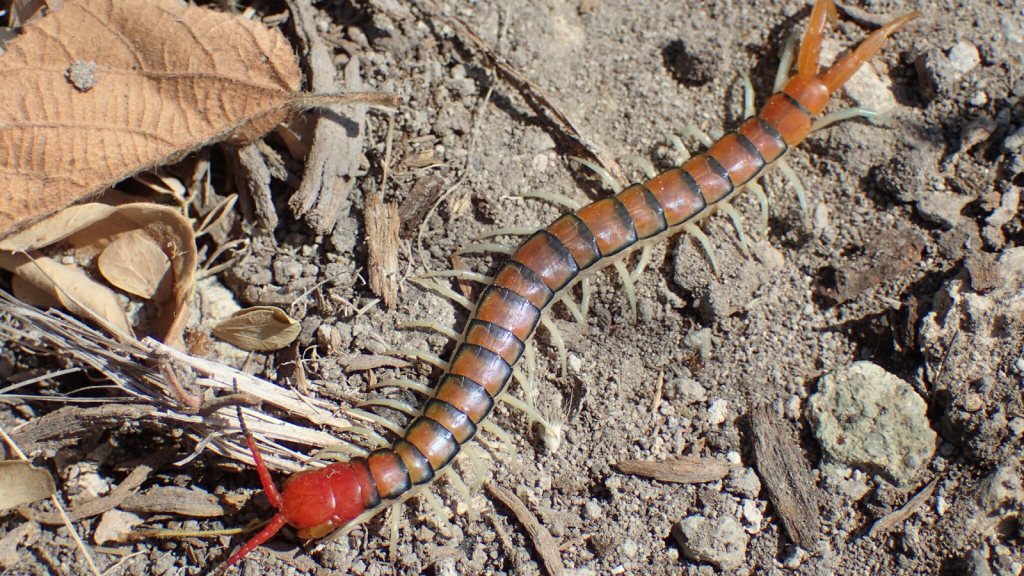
538,273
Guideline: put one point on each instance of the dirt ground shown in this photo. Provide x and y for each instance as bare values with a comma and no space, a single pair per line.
893,264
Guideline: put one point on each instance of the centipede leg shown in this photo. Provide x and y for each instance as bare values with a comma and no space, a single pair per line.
460,486
644,164
705,243
627,284
762,200
786,61
556,339
397,509
434,503
606,177
432,325
273,494
737,223
641,265
677,143
801,192
695,132
748,96
849,113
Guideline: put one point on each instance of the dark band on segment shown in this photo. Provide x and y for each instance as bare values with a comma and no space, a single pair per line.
509,310
765,138
678,194
371,496
711,178
577,238
389,473
433,440
520,279
481,366
466,395
737,157
647,215
496,339
454,420
798,104
549,258
609,221
415,462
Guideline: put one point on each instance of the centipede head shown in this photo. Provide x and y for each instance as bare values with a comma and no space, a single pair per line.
813,91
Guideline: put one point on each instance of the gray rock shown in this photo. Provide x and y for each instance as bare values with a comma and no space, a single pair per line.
964,57
868,418
686,390
743,482
718,541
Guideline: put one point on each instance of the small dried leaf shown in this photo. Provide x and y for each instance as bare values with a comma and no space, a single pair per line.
22,483
114,526
71,287
258,329
136,264
103,89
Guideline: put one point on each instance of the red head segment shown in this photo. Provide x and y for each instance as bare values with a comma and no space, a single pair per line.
813,91
314,502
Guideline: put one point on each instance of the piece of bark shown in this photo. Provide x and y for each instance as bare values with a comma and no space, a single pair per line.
174,500
382,224
542,539
417,203
890,520
256,180
118,495
322,197
787,477
66,426
682,470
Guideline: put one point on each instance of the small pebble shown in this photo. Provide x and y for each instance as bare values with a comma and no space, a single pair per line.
718,411
630,549
964,57
592,510
1016,427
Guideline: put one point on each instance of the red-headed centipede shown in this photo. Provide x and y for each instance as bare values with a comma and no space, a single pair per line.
539,272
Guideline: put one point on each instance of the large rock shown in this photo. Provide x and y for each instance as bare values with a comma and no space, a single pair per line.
867,418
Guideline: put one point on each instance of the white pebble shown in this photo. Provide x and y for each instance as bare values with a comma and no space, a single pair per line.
718,411
752,514
941,506
964,57
734,457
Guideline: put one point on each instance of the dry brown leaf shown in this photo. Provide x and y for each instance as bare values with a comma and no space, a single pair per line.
136,264
23,483
93,228
169,78
258,329
75,291
680,470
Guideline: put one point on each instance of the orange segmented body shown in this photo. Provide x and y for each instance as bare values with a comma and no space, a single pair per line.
548,263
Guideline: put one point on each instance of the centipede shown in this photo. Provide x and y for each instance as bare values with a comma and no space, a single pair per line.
542,270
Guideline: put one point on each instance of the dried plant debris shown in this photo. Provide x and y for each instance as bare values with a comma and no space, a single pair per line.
23,483
682,470
886,256
382,226
890,521
146,250
259,329
183,77
546,547
786,475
